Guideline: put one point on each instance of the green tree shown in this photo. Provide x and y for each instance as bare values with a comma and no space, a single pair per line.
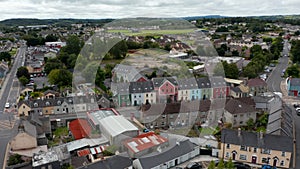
15,159
212,165
295,51
51,38
250,123
231,70
221,164
23,71
293,71
23,80
5,56
229,164
53,64
60,77
73,45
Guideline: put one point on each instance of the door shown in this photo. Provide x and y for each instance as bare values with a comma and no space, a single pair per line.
274,162
233,156
254,158
176,162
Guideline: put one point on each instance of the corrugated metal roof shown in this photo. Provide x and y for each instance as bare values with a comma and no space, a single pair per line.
116,125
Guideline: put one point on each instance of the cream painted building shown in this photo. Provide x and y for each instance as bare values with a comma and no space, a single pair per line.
256,148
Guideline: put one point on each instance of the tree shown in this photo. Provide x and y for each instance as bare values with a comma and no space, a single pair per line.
5,56
221,164
212,165
53,64
60,77
15,159
229,164
250,123
23,80
231,70
23,71
293,71
295,51
73,45
51,38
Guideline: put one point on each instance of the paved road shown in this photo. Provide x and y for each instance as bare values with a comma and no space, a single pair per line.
9,93
275,78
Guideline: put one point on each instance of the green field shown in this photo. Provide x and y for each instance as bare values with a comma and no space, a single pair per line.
13,52
152,32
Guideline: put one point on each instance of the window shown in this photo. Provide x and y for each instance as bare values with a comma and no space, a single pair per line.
266,151
283,153
243,157
281,163
227,155
244,148
265,160
235,116
146,95
228,146
254,150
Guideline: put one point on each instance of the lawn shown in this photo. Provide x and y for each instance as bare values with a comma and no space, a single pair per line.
13,52
152,32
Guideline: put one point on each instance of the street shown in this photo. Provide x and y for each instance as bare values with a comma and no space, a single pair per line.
9,93
275,78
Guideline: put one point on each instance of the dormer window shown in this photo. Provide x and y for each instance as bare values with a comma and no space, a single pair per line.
35,105
47,104
59,102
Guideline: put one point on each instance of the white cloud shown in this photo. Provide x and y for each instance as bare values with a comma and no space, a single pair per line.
136,8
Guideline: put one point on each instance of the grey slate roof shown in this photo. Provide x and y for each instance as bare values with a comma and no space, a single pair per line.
236,89
217,81
203,83
141,87
295,82
186,84
29,128
178,150
251,139
157,82
235,106
115,162
280,123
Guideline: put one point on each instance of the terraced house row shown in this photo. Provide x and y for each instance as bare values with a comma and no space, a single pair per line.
130,88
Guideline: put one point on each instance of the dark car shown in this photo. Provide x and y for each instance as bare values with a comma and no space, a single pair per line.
240,165
193,165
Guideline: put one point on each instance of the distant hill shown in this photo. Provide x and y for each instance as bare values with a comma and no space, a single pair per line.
60,22
207,16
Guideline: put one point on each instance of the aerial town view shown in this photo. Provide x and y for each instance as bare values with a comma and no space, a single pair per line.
121,84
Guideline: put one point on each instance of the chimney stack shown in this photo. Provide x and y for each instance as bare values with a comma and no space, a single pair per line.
261,135
239,131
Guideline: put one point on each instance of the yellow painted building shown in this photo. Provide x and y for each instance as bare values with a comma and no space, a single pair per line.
256,148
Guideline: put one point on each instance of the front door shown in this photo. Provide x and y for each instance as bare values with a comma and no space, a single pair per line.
233,156
254,158
274,162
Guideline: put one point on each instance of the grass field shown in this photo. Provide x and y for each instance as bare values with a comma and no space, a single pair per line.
13,52
152,32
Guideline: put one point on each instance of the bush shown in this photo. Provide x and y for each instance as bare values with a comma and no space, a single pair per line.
15,159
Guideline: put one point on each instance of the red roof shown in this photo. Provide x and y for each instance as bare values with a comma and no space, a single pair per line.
256,82
144,141
84,152
80,128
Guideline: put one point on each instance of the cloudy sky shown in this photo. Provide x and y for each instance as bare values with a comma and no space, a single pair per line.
44,9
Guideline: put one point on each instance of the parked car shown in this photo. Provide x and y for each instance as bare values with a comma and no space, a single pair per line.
240,165
7,105
194,165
